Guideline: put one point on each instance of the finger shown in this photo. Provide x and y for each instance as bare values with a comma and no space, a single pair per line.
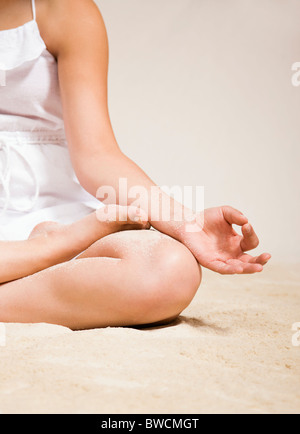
249,268
234,266
225,268
261,259
250,240
234,216
245,267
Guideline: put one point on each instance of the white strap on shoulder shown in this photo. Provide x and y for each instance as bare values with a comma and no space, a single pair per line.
33,9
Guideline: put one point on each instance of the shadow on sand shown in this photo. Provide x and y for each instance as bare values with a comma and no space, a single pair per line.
190,321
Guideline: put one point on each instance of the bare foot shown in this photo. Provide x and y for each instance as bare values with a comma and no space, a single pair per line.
45,229
64,242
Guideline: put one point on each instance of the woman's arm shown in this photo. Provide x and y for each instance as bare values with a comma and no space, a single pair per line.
81,47
23,258
80,44
51,243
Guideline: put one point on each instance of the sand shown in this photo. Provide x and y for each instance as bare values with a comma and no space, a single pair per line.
230,351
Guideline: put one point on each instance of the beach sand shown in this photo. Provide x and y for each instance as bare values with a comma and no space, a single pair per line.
229,352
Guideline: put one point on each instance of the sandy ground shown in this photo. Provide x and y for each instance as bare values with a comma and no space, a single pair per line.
230,352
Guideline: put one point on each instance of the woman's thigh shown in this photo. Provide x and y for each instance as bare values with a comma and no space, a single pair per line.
161,260
162,270
127,278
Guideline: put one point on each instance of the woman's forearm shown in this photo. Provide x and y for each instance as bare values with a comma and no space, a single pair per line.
48,245
22,258
51,244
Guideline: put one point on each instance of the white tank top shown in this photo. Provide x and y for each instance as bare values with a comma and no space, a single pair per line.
29,89
37,180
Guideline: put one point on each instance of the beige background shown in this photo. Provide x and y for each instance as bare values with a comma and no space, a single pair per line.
200,93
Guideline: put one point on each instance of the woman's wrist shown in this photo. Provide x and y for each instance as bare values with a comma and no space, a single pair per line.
179,229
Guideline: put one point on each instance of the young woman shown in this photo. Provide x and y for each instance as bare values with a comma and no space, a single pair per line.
86,268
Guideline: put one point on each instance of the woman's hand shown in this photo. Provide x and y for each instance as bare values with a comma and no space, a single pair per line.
217,245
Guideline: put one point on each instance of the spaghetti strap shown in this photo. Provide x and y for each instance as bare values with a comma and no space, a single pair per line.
33,9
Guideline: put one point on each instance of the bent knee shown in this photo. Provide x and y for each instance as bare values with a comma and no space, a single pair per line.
178,269
165,275
174,279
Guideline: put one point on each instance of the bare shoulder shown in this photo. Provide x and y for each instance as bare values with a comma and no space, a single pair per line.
70,24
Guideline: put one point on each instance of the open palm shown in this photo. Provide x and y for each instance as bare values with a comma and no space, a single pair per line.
218,247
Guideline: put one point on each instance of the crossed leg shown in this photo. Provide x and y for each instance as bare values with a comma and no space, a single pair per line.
126,278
